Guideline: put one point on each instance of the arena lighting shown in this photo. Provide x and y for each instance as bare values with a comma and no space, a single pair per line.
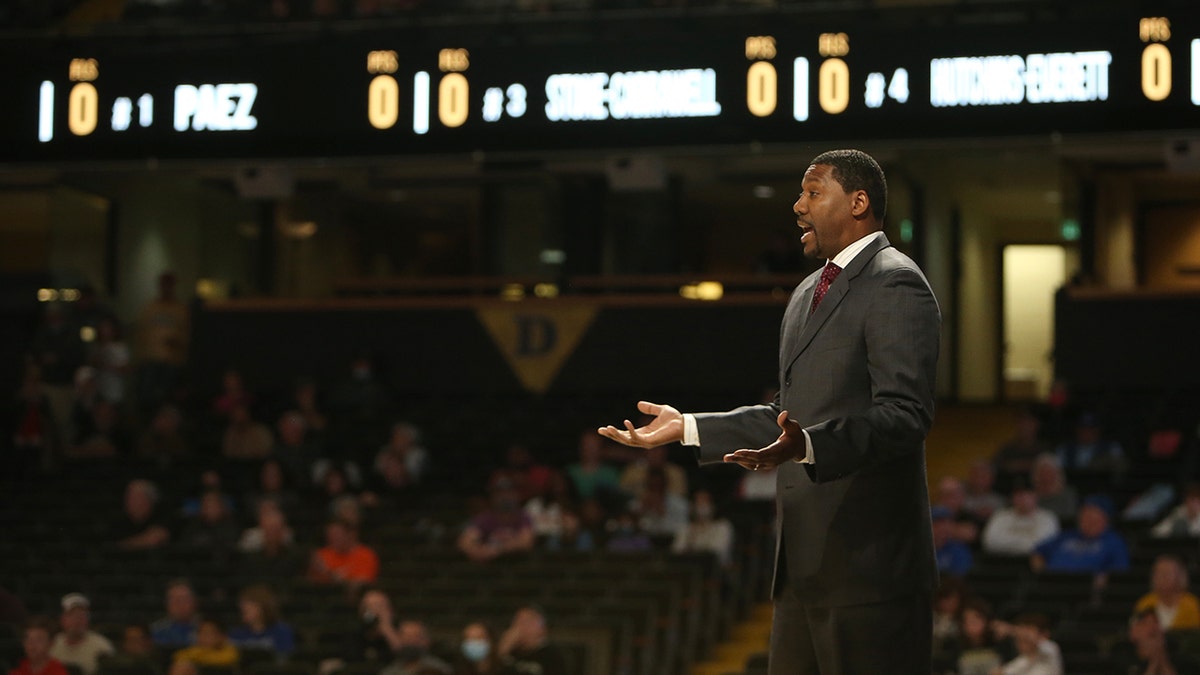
381,93
47,294
704,290
512,292
546,290
87,334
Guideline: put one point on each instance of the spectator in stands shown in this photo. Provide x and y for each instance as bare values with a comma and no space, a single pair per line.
233,394
163,442
35,640
1017,455
57,353
412,653
178,628
757,486
571,535
981,499
977,651
389,484
593,519
245,438
503,528
360,402
305,401
107,435
378,637
274,485
526,648
270,516
660,512
1150,650
1016,530
953,556
531,479
212,648
109,355
706,533
343,559
142,525
163,331
210,481
591,476
213,529
277,559
137,647
404,443
1088,450
1037,654
1177,609
35,431
477,652
952,495
1184,521
336,480
947,613
546,508
1092,547
77,645
627,536
262,628
636,474
1053,493
294,448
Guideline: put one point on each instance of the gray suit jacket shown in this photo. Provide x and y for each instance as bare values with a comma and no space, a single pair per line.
858,375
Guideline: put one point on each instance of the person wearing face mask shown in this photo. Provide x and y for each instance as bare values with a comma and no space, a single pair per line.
706,532
503,528
478,651
412,652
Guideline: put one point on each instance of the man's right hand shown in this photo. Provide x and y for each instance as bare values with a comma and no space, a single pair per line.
666,427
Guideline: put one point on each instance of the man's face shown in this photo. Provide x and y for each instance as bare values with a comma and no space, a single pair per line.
1092,521
822,213
1166,577
75,621
135,641
1024,501
413,634
530,625
36,643
181,604
337,537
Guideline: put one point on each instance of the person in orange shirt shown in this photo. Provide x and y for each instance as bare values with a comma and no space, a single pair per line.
1177,609
343,559
36,642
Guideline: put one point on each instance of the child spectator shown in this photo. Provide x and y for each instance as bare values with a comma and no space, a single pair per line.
36,642
261,626
212,648
978,651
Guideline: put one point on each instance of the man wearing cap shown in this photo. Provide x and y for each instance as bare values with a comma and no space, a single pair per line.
77,645
1092,547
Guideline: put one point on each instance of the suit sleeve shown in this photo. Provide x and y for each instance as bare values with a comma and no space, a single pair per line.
901,335
751,426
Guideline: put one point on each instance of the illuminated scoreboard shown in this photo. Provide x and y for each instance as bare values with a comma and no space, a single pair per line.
391,94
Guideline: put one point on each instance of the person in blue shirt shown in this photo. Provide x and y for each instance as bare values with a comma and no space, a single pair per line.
1092,547
953,556
178,628
261,627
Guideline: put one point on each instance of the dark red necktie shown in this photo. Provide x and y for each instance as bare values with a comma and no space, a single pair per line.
828,274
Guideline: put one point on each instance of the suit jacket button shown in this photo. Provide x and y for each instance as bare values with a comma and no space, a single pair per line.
787,382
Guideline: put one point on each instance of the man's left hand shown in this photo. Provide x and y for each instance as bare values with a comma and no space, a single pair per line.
787,447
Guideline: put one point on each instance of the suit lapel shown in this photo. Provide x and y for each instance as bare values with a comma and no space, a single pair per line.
806,325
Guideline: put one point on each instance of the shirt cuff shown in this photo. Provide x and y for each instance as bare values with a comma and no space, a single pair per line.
691,435
808,451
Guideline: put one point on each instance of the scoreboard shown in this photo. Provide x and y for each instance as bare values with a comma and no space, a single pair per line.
393,93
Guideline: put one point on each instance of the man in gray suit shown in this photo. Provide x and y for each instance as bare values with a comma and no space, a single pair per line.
854,568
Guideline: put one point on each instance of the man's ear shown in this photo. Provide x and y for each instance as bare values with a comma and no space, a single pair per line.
860,204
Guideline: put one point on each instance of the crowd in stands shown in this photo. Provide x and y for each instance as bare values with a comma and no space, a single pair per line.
302,500
1066,531
1074,539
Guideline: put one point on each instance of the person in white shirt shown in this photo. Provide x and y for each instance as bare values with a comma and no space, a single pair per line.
1184,521
1037,654
76,645
705,532
1016,530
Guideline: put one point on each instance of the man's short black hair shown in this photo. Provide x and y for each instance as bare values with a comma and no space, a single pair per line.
856,170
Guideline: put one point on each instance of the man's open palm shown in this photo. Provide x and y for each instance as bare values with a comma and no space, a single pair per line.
666,427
